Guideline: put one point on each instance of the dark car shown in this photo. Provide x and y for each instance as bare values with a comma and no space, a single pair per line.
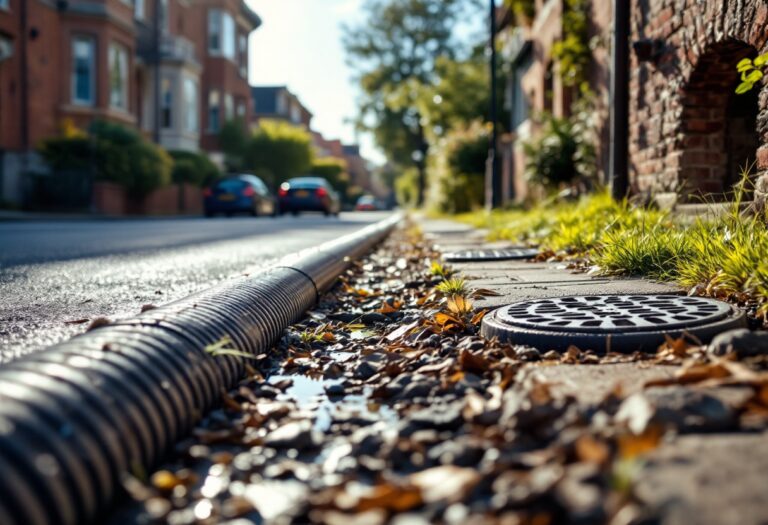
239,194
308,194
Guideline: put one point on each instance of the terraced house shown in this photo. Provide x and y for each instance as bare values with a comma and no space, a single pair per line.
687,133
175,69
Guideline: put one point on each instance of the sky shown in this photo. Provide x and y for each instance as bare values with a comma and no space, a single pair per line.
299,45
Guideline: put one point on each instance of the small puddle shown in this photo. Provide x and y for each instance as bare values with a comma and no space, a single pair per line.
309,394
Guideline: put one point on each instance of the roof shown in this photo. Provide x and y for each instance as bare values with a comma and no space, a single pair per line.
265,98
250,15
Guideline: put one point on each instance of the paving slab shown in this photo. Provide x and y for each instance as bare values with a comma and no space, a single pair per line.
518,280
705,479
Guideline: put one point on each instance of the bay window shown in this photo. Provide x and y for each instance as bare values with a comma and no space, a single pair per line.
190,106
118,76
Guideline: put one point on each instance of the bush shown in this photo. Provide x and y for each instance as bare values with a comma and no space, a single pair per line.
193,168
407,188
114,153
233,140
278,151
563,155
335,172
459,169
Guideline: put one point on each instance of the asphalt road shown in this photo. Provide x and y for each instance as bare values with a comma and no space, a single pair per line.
57,276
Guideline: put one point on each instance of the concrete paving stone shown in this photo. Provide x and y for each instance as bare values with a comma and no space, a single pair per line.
707,479
525,291
590,384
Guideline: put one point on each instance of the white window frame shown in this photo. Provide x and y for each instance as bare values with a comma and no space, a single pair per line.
229,107
222,34
91,42
166,103
118,51
191,106
242,44
139,9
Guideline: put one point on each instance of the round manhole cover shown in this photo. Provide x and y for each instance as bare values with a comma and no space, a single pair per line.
503,254
621,323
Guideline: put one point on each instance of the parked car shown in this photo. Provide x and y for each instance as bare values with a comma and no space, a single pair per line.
367,203
308,194
241,193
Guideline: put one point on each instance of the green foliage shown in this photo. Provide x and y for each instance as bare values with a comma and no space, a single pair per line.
233,141
751,72
724,257
572,52
115,153
395,50
522,8
562,154
278,151
453,286
193,168
460,169
335,172
406,187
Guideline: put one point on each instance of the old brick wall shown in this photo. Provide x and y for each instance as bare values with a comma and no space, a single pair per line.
687,128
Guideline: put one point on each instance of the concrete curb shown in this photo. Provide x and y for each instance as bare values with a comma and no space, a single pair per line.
76,416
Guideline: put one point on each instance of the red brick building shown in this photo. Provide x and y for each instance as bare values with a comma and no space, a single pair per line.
688,129
689,133
82,60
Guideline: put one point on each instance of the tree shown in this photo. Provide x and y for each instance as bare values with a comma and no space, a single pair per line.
395,51
335,172
193,168
233,140
278,151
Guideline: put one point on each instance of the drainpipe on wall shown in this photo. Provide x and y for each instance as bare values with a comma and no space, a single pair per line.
493,186
618,169
24,91
156,80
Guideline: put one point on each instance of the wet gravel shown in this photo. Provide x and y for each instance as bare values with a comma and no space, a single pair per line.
56,278
385,406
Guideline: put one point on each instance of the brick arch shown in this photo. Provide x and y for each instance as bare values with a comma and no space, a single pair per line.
691,34
717,128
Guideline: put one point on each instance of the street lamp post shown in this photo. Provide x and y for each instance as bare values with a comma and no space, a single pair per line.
493,197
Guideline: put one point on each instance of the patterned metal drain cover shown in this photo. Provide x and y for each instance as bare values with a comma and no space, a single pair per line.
610,322
504,254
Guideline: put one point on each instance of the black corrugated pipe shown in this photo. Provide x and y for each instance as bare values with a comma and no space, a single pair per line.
619,147
75,417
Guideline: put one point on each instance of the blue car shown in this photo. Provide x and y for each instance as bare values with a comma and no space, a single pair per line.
308,194
239,194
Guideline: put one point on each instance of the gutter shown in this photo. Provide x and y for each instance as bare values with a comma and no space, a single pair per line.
75,417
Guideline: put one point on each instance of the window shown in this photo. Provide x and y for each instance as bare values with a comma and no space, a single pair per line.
214,111
118,76
243,55
229,107
221,34
240,109
83,70
166,103
190,106
163,15
5,4
138,9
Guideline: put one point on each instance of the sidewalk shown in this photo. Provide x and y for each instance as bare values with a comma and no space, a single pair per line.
714,474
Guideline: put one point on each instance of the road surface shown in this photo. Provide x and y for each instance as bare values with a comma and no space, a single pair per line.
57,276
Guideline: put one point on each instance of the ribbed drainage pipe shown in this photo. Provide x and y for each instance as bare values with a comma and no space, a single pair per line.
76,416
